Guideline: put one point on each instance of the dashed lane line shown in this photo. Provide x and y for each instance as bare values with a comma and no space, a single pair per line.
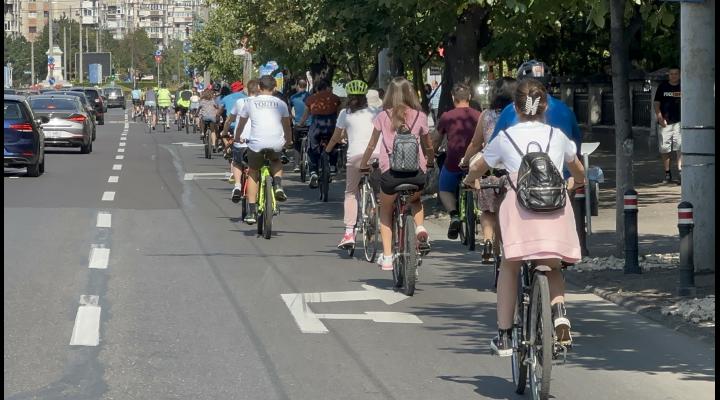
86,331
121,150
117,167
108,196
119,157
113,179
99,258
104,220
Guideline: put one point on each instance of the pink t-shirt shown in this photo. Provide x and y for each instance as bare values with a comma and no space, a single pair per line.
383,123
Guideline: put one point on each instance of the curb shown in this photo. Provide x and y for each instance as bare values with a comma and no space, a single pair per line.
650,312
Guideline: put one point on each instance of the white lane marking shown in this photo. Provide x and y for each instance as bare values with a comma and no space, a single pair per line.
113,179
122,144
117,167
99,258
121,150
108,196
104,220
309,322
206,175
189,144
14,177
86,331
119,157
123,138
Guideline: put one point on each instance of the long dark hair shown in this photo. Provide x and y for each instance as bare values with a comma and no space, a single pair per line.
356,102
502,92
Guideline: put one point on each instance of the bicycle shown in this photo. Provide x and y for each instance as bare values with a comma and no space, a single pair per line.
164,117
368,218
324,174
534,342
208,126
182,122
406,254
266,204
303,162
468,213
148,115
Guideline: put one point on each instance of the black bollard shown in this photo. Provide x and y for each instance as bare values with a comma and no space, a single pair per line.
579,211
631,233
687,267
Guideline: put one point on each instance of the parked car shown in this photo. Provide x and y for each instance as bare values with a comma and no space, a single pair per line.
86,103
93,94
68,121
115,97
24,141
10,91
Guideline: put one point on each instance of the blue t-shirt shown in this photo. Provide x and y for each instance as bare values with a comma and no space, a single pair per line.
135,94
229,101
557,114
297,101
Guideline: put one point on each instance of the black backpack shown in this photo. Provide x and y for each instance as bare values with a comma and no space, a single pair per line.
540,186
405,149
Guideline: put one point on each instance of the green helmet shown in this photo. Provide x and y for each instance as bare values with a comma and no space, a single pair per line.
356,87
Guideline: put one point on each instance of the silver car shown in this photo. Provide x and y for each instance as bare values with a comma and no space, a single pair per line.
69,122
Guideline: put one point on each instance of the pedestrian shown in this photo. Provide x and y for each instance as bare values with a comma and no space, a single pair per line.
667,111
435,101
458,126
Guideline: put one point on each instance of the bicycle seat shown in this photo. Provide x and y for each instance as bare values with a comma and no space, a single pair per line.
406,187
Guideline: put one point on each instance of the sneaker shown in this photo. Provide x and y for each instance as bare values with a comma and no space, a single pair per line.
423,240
236,195
487,250
501,344
313,180
385,262
251,219
333,170
296,169
668,179
280,194
231,179
561,323
454,229
347,241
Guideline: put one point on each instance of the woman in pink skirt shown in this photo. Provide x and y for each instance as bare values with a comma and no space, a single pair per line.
549,237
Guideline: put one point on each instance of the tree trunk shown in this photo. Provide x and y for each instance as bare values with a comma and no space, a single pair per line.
322,70
619,48
462,52
418,82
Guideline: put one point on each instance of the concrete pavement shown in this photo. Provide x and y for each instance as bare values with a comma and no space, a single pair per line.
191,303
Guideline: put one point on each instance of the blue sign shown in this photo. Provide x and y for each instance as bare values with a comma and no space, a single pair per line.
186,46
268,68
158,52
51,60
51,80
201,86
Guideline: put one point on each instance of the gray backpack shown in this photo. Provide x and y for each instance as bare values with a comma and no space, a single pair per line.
405,149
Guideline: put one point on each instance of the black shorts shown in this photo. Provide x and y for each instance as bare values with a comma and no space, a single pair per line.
239,156
257,159
179,108
389,180
136,102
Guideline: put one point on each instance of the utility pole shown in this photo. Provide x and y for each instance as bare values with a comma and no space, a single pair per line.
80,64
32,62
697,125
65,56
50,38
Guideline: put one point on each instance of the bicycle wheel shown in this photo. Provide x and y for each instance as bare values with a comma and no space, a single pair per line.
325,177
370,228
303,160
398,259
470,220
410,254
186,122
244,203
268,213
462,233
208,153
517,362
540,333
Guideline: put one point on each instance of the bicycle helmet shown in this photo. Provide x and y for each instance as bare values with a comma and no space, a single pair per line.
534,69
236,86
356,87
216,87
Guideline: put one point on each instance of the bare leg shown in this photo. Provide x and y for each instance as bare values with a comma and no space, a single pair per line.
487,220
665,160
507,287
417,209
448,201
387,203
679,160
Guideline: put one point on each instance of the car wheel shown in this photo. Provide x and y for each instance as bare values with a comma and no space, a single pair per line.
101,121
42,164
34,170
86,148
93,135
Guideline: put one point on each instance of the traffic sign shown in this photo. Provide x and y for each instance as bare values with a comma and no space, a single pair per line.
51,80
158,52
51,60
51,66
158,59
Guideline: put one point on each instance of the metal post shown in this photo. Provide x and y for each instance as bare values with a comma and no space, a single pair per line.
631,233
65,55
158,73
80,64
579,211
588,214
687,267
32,62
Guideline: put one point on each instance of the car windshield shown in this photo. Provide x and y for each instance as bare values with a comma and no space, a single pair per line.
113,91
12,110
53,104
90,93
79,95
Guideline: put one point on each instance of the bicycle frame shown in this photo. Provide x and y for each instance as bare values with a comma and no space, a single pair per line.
264,174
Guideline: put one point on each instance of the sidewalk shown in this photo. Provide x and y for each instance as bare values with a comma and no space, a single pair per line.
651,293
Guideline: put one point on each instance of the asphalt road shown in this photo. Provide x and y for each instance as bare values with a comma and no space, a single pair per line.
173,297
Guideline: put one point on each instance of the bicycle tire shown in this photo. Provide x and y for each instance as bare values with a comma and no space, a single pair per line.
268,212
540,330
398,267
186,122
461,214
370,229
517,362
411,256
470,219
208,153
325,177
244,202
303,161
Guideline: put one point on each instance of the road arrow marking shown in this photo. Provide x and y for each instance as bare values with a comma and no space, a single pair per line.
309,322
189,144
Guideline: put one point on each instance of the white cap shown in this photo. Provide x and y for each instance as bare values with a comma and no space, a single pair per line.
373,97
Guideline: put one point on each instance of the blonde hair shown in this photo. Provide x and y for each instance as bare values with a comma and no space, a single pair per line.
400,96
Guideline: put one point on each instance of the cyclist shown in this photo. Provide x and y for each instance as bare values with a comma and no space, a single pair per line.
208,113
228,102
136,95
501,94
240,148
150,104
355,120
194,106
164,101
324,107
548,237
182,102
297,109
269,129
401,107
458,126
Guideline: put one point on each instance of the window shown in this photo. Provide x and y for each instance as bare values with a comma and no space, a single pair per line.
32,14
46,14
32,29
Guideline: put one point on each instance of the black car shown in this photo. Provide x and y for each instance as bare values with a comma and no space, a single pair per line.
114,97
83,99
24,139
95,97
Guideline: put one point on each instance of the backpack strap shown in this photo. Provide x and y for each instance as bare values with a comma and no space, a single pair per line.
547,149
382,135
513,143
414,121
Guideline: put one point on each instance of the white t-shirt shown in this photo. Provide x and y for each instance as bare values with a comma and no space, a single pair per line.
239,105
266,129
500,151
359,128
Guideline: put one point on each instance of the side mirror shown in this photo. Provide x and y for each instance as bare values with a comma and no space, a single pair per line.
42,120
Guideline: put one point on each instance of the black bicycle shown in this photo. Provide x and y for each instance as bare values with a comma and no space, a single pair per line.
407,256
